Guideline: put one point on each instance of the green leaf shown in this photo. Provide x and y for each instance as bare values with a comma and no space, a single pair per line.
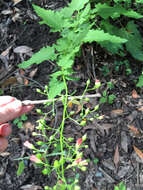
106,11
16,121
103,100
78,4
66,62
140,82
51,18
1,92
133,14
55,88
111,98
75,5
56,164
24,117
135,42
19,124
46,53
20,168
111,47
100,36
122,186
46,171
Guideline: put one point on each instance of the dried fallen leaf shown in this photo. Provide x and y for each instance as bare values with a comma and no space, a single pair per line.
132,116
26,82
21,71
7,12
134,130
33,72
117,112
134,94
9,81
22,49
124,141
28,126
6,52
16,1
70,104
31,187
4,154
138,152
116,157
79,108
140,109
106,126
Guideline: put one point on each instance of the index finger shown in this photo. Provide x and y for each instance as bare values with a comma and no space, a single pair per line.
6,100
10,111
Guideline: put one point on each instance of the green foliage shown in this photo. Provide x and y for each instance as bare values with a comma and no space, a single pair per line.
106,11
121,186
46,53
140,82
19,121
131,33
1,92
107,98
21,167
76,27
100,36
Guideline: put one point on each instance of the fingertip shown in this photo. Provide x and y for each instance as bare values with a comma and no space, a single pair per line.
26,109
3,144
5,129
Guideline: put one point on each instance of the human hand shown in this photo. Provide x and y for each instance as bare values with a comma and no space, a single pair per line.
10,108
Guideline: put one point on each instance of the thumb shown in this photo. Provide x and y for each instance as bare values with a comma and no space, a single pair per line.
5,129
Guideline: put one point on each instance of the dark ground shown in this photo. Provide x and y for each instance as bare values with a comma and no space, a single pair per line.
109,139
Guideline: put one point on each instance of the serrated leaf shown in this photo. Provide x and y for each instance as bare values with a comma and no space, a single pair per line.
106,11
134,44
75,5
100,36
51,18
55,88
66,62
133,14
46,53
111,47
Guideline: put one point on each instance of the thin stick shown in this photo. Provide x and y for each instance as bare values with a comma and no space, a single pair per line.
30,102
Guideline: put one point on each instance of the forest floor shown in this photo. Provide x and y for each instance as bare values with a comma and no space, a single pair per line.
112,140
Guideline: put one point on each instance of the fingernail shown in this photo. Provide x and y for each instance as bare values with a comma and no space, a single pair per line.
5,129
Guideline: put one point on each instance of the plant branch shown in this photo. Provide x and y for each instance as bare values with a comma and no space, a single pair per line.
30,102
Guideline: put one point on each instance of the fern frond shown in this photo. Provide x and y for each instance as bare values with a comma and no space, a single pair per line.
46,53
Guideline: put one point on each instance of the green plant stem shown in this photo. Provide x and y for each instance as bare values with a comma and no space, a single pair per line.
62,127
